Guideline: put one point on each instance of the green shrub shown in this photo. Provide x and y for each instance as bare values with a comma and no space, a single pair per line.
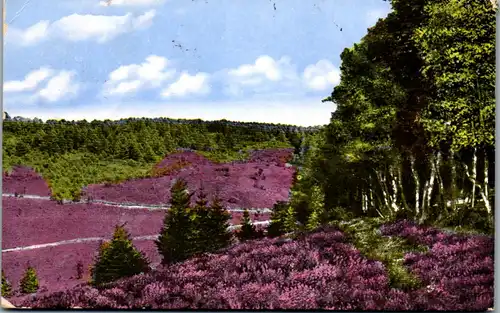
6,286
29,281
247,230
118,258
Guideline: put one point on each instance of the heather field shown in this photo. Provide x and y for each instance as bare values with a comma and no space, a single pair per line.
30,221
41,221
23,180
320,270
258,182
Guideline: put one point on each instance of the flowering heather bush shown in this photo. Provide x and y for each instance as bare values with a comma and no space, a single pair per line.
24,180
255,184
320,271
458,269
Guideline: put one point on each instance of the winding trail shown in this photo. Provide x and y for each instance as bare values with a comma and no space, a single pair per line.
94,239
128,206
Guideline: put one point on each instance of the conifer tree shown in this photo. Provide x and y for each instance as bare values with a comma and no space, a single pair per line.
247,230
317,205
118,258
290,219
201,223
29,281
6,286
175,242
276,227
217,229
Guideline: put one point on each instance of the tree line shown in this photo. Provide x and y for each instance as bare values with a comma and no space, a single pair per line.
139,139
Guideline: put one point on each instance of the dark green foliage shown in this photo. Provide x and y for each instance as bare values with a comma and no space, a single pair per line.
6,286
276,227
210,225
217,227
117,259
176,241
412,135
247,230
200,216
29,281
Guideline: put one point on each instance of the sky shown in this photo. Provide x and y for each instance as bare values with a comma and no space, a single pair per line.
241,60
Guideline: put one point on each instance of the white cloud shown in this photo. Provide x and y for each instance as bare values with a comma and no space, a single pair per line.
30,82
188,85
268,77
76,27
321,76
264,75
60,85
131,78
131,3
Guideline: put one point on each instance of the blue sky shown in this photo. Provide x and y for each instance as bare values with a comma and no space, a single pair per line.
246,60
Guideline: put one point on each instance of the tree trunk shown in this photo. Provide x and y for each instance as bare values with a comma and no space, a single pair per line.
477,185
417,185
453,182
383,188
474,172
394,196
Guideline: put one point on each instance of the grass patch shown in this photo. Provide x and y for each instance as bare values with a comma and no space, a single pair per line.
66,174
365,235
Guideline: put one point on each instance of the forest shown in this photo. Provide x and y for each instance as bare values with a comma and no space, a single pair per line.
391,205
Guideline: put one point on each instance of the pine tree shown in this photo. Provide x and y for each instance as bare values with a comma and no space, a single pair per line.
29,281
6,286
201,223
118,258
175,242
276,227
290,220
217,230
317,205
247,230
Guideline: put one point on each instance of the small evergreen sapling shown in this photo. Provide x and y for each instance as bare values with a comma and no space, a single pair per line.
118,258
6,286
29,281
